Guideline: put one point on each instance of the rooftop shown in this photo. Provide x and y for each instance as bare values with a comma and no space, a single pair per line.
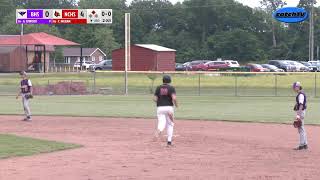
75,52
154,47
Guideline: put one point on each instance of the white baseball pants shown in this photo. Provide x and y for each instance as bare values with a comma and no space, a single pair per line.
26,107
164,114
302,131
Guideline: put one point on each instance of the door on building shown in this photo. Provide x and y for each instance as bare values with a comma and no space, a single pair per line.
37,61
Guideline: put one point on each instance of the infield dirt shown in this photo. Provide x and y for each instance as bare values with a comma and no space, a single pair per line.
116,148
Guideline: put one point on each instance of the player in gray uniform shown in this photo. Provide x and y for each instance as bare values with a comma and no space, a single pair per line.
25,91
300,109
165,97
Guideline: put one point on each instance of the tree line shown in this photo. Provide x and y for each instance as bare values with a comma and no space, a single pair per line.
197,29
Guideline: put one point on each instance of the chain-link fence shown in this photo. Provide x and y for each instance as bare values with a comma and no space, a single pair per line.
144,83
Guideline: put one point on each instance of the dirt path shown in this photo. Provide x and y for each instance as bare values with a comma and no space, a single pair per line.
124,149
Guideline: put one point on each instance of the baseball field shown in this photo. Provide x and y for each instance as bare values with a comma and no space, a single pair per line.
111,136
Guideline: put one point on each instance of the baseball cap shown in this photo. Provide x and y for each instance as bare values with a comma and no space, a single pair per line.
23,73
296,84
166,79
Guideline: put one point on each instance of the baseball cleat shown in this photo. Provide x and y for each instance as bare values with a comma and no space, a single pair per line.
169,143
299,148
305,146
27,119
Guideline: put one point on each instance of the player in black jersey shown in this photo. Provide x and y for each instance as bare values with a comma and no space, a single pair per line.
165,97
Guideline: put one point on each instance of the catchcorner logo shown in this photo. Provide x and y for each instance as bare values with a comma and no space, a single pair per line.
291,15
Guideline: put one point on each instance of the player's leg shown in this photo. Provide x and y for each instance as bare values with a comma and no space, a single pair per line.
161,120
170,124
26,107
302,132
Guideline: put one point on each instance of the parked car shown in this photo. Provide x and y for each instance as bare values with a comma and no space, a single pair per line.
298,66
85,64
315,63
198,65
232,63
282,65
272,68
216,65
187,66
257,68
180,67
103,65
311,67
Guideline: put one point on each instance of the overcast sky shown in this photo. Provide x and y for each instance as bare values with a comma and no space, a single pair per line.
251,3
256,3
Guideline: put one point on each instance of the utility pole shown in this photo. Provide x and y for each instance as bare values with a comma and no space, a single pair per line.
127,51
311,33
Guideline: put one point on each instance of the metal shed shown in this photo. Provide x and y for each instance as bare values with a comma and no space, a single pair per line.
145,57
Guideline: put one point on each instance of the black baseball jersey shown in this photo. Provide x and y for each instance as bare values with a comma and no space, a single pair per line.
164,94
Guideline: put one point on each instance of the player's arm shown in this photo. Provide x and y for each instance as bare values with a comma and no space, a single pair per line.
299,112
155,98
156,94
31,88
174,99
174,96
19,93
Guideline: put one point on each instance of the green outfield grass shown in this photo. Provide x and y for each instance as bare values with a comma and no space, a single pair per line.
254,109
12,146
186,84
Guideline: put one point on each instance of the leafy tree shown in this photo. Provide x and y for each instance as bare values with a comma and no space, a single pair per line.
271,6
236,44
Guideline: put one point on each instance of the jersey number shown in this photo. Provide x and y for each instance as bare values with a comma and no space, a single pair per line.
163,91
24,87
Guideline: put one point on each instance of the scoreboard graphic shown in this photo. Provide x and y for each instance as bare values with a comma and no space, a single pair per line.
64,16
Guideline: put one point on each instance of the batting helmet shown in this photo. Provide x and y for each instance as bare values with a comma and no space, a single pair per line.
166,79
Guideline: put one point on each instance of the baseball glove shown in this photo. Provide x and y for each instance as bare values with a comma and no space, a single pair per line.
28,96
297,123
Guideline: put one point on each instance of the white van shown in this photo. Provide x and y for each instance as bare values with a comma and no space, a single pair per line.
232,63
85,64
315,63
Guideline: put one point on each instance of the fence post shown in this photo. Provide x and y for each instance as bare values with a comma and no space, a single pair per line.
94,82
199,84
88,84
70,84
315,84
48,89
275,85
235,85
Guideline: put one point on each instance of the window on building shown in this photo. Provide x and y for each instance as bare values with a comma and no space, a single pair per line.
67,60
100,58
93,59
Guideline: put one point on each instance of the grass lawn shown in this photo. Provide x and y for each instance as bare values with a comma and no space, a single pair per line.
12,146
255,109
186,84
